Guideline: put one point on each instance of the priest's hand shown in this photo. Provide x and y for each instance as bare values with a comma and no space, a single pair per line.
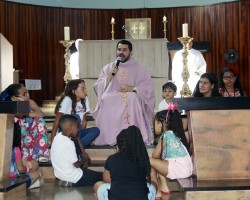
127,88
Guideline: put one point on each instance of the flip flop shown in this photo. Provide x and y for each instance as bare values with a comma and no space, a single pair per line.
166,193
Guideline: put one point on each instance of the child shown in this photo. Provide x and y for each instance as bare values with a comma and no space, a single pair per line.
67,168
34,135
18,168
229,82
168,92
127,172
170,157
73,102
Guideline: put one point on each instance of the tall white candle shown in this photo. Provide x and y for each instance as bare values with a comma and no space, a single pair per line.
164,18
112,20
185,30
66,33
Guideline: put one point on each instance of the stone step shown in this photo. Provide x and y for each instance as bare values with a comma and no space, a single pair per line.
193,189
49,103
13,188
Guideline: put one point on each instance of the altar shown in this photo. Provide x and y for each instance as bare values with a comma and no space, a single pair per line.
151,53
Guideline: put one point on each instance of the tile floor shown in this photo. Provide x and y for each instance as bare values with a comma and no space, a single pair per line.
50,191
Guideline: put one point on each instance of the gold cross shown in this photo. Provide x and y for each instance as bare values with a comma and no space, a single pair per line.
134,29
123,75
126,117
141,28
125,96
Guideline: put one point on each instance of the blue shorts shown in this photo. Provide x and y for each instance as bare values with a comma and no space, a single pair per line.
102,192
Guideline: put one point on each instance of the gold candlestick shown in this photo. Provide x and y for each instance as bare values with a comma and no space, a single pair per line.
67,43
185,91
112,31
165,29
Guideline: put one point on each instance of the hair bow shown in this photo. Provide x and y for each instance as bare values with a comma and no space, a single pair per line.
234,69
171,107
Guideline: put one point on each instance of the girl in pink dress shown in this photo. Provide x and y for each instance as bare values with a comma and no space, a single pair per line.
34,135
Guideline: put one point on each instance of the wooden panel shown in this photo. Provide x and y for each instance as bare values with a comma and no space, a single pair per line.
6,138
18,192
217,195
221,144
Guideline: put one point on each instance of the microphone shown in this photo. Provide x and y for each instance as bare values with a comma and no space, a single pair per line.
118,60
124,27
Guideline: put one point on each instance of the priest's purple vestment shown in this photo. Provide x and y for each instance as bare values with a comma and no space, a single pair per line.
117,110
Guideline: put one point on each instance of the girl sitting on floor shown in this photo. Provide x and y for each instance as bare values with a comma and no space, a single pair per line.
127,173
74,102
18,168
171,157
34,135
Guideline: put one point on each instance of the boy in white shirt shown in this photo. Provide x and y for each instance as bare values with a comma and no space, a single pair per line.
168,92
67,168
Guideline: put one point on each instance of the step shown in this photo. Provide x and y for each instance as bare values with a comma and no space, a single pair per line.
193,189
13,188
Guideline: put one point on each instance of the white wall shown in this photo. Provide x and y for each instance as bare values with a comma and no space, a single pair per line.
6,63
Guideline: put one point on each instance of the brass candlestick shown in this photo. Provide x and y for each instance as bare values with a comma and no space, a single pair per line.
185,91
67,43
112,31
165,29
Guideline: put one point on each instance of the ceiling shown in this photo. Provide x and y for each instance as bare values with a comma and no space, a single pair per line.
118,4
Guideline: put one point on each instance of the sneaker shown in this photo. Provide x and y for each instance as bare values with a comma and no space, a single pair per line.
39,182
43,160
64,183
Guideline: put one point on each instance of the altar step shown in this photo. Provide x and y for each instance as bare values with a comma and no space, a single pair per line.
193,189
13,188
98,155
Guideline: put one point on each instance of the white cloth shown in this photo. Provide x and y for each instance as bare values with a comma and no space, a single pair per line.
66,107
163,105
74,65
196,67
63,157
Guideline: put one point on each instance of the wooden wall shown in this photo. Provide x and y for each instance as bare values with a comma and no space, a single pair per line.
35,32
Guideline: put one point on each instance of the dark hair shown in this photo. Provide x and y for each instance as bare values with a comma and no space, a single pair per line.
67,119
130,142
213,80
174,123
236,83
130,46
16,135
10,91
68,91
169,85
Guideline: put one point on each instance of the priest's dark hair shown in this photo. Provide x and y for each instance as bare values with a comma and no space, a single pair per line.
130,46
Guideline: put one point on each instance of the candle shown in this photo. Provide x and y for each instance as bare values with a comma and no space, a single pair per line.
164,18
66,33
185,30
112,20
